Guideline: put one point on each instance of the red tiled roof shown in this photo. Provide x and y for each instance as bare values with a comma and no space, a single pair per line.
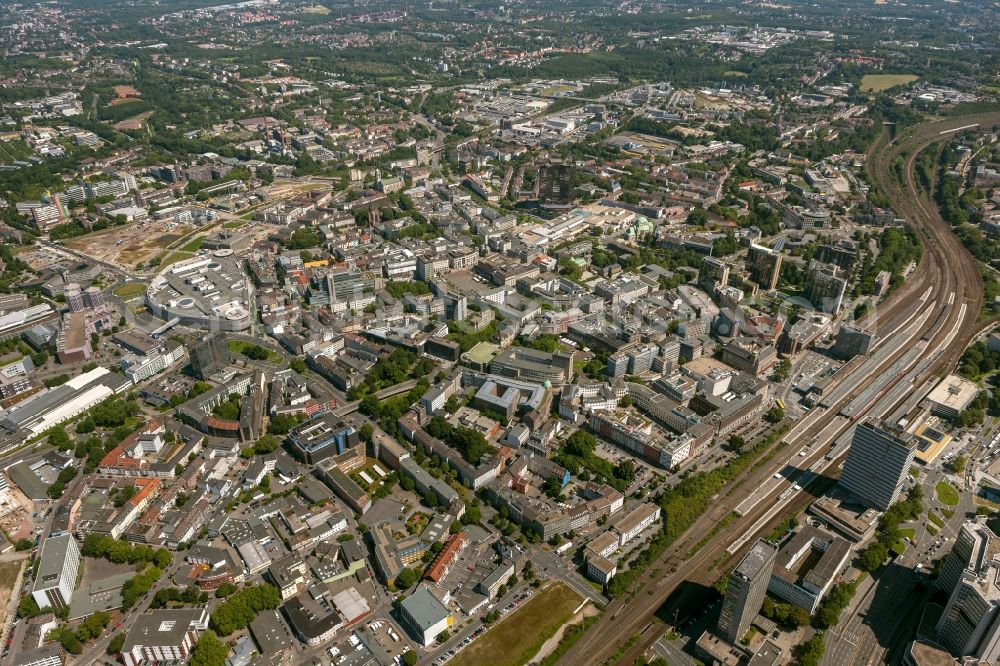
446,557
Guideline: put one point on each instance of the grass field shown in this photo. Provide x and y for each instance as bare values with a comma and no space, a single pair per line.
934,518
905,535
519,636
168,258
194,245
880,82
130,290
946,494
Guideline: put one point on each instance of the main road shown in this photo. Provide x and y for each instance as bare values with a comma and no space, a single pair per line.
942,299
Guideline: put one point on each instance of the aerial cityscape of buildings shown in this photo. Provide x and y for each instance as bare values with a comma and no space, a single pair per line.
522,333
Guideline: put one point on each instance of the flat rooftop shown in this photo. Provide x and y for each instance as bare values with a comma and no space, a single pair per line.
101,595
424,609
752,563
846,516
52,561
211,285
930,443
482,353
812,556
954,393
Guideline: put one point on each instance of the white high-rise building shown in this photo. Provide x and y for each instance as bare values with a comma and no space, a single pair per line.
57,568
877,464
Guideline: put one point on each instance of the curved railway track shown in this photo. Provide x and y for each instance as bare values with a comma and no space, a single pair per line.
945,268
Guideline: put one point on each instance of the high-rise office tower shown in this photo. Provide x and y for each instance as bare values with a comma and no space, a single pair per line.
877,463
970,624
852,341
824,287
93,297
209,355
57,568
764,266
746,590
712,272
556,183
969,551
74,297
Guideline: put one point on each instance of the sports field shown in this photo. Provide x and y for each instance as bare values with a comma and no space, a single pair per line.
880,82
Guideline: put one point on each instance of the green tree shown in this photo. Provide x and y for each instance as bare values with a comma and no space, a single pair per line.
115,644
473,513
873,556
698,217
209,651
581,444
811,652
28,607
228,410
367,431
837,599
410,658
68,639
570,268
135,587
266,444
625,470
407,578
240,609
468,441
92,626
546,342
798,616
162,558
255,352
225,590
59,438
280,424
788,616
304,237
